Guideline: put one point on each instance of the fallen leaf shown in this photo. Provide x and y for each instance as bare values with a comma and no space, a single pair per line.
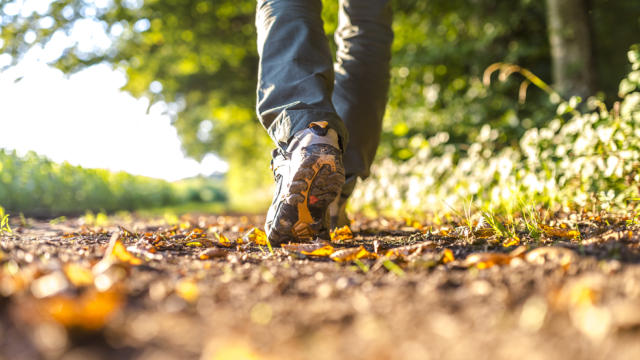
326,250
256,236
212,253
511,241
447,256
487,259
350,254
393,267
120,252
188,289
202,242
89,311
557,232
341,234
78,275
484,232
223,240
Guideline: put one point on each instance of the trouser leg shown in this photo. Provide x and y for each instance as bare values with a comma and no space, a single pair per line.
295,76
364,38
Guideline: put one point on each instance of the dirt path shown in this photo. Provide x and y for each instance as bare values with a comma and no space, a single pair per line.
184,293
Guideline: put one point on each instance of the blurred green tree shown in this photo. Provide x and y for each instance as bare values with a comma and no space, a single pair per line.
200,57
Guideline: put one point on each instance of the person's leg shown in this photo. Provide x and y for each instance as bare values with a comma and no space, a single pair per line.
295,75
364,38
295,81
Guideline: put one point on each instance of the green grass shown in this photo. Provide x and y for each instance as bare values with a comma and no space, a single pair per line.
4,222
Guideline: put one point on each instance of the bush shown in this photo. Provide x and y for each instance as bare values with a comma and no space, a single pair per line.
577,160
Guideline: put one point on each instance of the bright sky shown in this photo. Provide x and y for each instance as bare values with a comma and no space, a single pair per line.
86,120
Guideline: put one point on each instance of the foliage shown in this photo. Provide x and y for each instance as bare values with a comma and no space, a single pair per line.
37,186
200,57
578,159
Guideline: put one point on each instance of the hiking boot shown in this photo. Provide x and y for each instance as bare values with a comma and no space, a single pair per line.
309,176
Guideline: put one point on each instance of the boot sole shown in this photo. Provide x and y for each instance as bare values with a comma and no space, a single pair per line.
315,184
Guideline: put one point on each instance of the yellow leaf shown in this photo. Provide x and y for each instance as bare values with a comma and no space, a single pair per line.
341,234
89,311
120,252
223,240
188,290
512,241
323,251
256,236
447,256
487,259
351,254
563,233
78,275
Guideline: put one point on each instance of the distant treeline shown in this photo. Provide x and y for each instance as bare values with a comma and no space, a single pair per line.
37,186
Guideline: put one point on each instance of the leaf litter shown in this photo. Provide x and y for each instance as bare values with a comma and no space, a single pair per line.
207,268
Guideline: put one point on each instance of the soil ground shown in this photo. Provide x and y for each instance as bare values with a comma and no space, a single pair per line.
184,293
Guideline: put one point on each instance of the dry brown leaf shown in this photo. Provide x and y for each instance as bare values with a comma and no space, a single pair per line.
341,234
483,233
212,253
558,232
486,260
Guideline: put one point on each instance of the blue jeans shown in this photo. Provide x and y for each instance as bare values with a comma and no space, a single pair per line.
298,83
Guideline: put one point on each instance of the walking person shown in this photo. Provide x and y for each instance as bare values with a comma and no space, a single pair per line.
324,117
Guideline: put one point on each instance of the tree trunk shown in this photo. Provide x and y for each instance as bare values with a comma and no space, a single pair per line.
573,64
